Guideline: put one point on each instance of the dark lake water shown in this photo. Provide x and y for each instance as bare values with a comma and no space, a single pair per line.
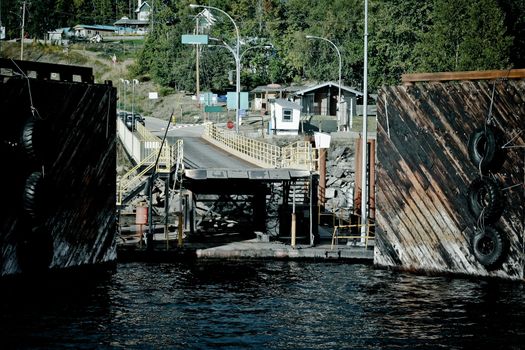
263,305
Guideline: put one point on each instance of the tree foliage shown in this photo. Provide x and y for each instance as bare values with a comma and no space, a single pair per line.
404,36
464,35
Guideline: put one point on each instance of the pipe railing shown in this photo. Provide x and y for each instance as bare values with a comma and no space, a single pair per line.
300,155
144,148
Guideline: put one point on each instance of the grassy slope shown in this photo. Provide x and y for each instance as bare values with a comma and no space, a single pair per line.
98,57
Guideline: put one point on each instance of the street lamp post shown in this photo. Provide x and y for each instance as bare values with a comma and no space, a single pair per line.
237,61
340,68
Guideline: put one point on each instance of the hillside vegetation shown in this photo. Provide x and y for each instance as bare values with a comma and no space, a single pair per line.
99,57
404,36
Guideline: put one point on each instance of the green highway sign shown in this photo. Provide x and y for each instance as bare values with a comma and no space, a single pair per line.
213,109
194,39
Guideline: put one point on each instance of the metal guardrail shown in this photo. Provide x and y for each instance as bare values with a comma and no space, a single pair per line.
338,223
300,155
364,239
133,177
145,150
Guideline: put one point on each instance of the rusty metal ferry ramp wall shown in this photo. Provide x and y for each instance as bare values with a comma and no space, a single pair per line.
450,174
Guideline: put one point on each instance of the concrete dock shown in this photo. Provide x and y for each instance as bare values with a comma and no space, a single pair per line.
253,249
162,251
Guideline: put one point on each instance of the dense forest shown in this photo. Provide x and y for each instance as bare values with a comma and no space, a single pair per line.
404,36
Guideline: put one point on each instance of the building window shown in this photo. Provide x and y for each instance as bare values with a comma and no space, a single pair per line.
287,115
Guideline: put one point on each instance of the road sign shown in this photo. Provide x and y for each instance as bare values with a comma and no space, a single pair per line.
232,100
208,98
194,39
213,109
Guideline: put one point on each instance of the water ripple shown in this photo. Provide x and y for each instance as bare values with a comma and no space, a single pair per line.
267,304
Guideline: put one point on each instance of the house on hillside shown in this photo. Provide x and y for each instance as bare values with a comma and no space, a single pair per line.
94,30
138,25
321,99
285,117
205,20
143,11
131,26
59,36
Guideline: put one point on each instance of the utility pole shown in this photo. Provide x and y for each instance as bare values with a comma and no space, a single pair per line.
364,147
22,31
197,65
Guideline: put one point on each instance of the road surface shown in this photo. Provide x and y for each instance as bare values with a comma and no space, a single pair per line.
197,152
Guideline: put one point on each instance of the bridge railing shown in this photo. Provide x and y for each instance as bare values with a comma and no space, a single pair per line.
134,177
299,155
142,143
144,147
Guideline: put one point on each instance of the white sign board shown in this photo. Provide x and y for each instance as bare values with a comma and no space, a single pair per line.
322,140
153,95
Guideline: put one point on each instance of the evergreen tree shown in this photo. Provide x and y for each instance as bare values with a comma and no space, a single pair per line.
464,35
515,21
396,27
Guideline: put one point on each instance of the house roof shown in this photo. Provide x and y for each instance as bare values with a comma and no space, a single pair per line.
127,21
208,19
268,88
287,104
329,84
59,30
96,27
143,7
275,88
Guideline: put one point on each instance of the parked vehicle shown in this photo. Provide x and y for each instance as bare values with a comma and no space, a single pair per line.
132,120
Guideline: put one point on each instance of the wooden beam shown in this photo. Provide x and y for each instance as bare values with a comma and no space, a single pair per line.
470,75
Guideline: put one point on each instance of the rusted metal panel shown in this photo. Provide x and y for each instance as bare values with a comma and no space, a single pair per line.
71,144
424,172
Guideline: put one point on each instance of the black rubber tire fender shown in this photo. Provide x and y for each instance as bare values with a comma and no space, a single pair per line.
36,141
490,247
28,138
484,195
33,193
484,148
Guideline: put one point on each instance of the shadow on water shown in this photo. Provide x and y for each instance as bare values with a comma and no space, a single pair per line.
262,304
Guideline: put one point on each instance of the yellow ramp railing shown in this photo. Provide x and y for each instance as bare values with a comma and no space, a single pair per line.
149,150
299,155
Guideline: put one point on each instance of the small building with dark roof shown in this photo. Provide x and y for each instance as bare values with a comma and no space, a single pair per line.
262,95
321,99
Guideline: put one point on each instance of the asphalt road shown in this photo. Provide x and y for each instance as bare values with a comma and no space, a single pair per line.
197,152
